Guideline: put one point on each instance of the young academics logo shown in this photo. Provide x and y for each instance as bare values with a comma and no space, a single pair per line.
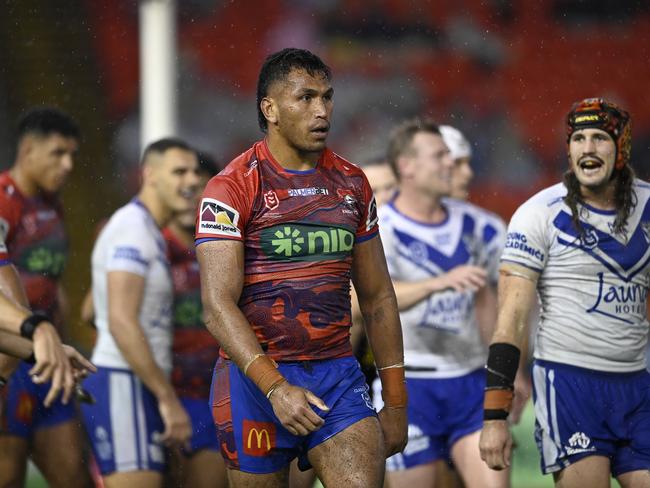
218,218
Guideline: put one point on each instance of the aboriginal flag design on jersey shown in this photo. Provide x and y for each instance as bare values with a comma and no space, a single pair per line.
35,236
299,229
194,349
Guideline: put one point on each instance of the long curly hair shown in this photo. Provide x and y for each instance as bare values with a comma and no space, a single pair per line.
624,198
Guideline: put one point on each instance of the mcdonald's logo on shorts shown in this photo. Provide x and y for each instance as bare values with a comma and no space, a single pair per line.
258,438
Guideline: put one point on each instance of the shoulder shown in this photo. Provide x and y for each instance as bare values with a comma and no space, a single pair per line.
545,203
342,165
128,223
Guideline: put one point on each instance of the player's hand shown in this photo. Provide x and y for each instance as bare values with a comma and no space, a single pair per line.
523,389
178,428
81,367
52,364
495,444
464,278
291,406
394,424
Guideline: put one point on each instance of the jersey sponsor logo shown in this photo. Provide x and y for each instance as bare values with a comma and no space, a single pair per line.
625,301
271,200
45,260
518,241
218,218
579,442
307,192
258,438
300,242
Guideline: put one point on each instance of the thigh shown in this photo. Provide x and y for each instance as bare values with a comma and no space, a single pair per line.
592,471
474,472
205,469
59,453
241,479
13,460
635,479
421,476
301,479
360,448
141,479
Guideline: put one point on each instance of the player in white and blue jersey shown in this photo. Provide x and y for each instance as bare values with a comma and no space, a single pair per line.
137,412
584,246
442,256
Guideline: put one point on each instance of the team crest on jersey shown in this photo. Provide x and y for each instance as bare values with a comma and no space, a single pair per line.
271,200
218,218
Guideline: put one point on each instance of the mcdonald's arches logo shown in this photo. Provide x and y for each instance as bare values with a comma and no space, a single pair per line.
258,438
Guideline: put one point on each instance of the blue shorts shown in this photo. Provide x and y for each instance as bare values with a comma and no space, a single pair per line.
204,435
251,437
581,412
440,411
23,411
124,425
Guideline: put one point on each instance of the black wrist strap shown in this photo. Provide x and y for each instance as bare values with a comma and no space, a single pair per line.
502,364
29,325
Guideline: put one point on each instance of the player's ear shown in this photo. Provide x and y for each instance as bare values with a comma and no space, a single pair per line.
270,110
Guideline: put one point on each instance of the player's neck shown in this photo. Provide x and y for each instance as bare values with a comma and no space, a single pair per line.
26,185
290,157
184,235
426,209
160,213
600,198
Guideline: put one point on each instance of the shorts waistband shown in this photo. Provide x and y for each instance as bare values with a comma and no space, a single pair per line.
590,372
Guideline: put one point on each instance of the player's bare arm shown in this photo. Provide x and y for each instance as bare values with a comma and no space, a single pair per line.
220,293
517,289
10,285
461,278
51,362
125,292
379,308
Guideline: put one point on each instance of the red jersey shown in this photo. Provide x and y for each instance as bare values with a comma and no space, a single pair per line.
194,349
35,237
298,229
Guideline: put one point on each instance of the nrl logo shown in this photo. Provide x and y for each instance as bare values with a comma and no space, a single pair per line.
590,239
271,200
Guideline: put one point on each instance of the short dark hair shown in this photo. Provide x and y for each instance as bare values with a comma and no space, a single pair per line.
402,136
161,146
278,65
45,121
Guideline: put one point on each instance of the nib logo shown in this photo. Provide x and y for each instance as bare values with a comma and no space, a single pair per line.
288,241
306,242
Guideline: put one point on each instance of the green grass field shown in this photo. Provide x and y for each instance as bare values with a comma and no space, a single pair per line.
526,473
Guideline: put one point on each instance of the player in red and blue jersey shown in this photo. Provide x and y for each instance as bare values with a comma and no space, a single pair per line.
32,223
194,352
280,233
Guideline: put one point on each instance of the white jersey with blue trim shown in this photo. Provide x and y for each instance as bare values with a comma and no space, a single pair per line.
132,242
593,289
441,334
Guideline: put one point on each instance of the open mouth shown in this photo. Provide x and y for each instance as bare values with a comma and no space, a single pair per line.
321,130
589,165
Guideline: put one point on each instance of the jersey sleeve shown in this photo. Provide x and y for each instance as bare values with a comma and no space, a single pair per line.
368,223
9,220
389,244
494,238
130,251
224,210
526,241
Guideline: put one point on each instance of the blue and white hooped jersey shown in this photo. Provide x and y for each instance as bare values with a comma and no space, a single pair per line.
441,335
132,242
593,290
